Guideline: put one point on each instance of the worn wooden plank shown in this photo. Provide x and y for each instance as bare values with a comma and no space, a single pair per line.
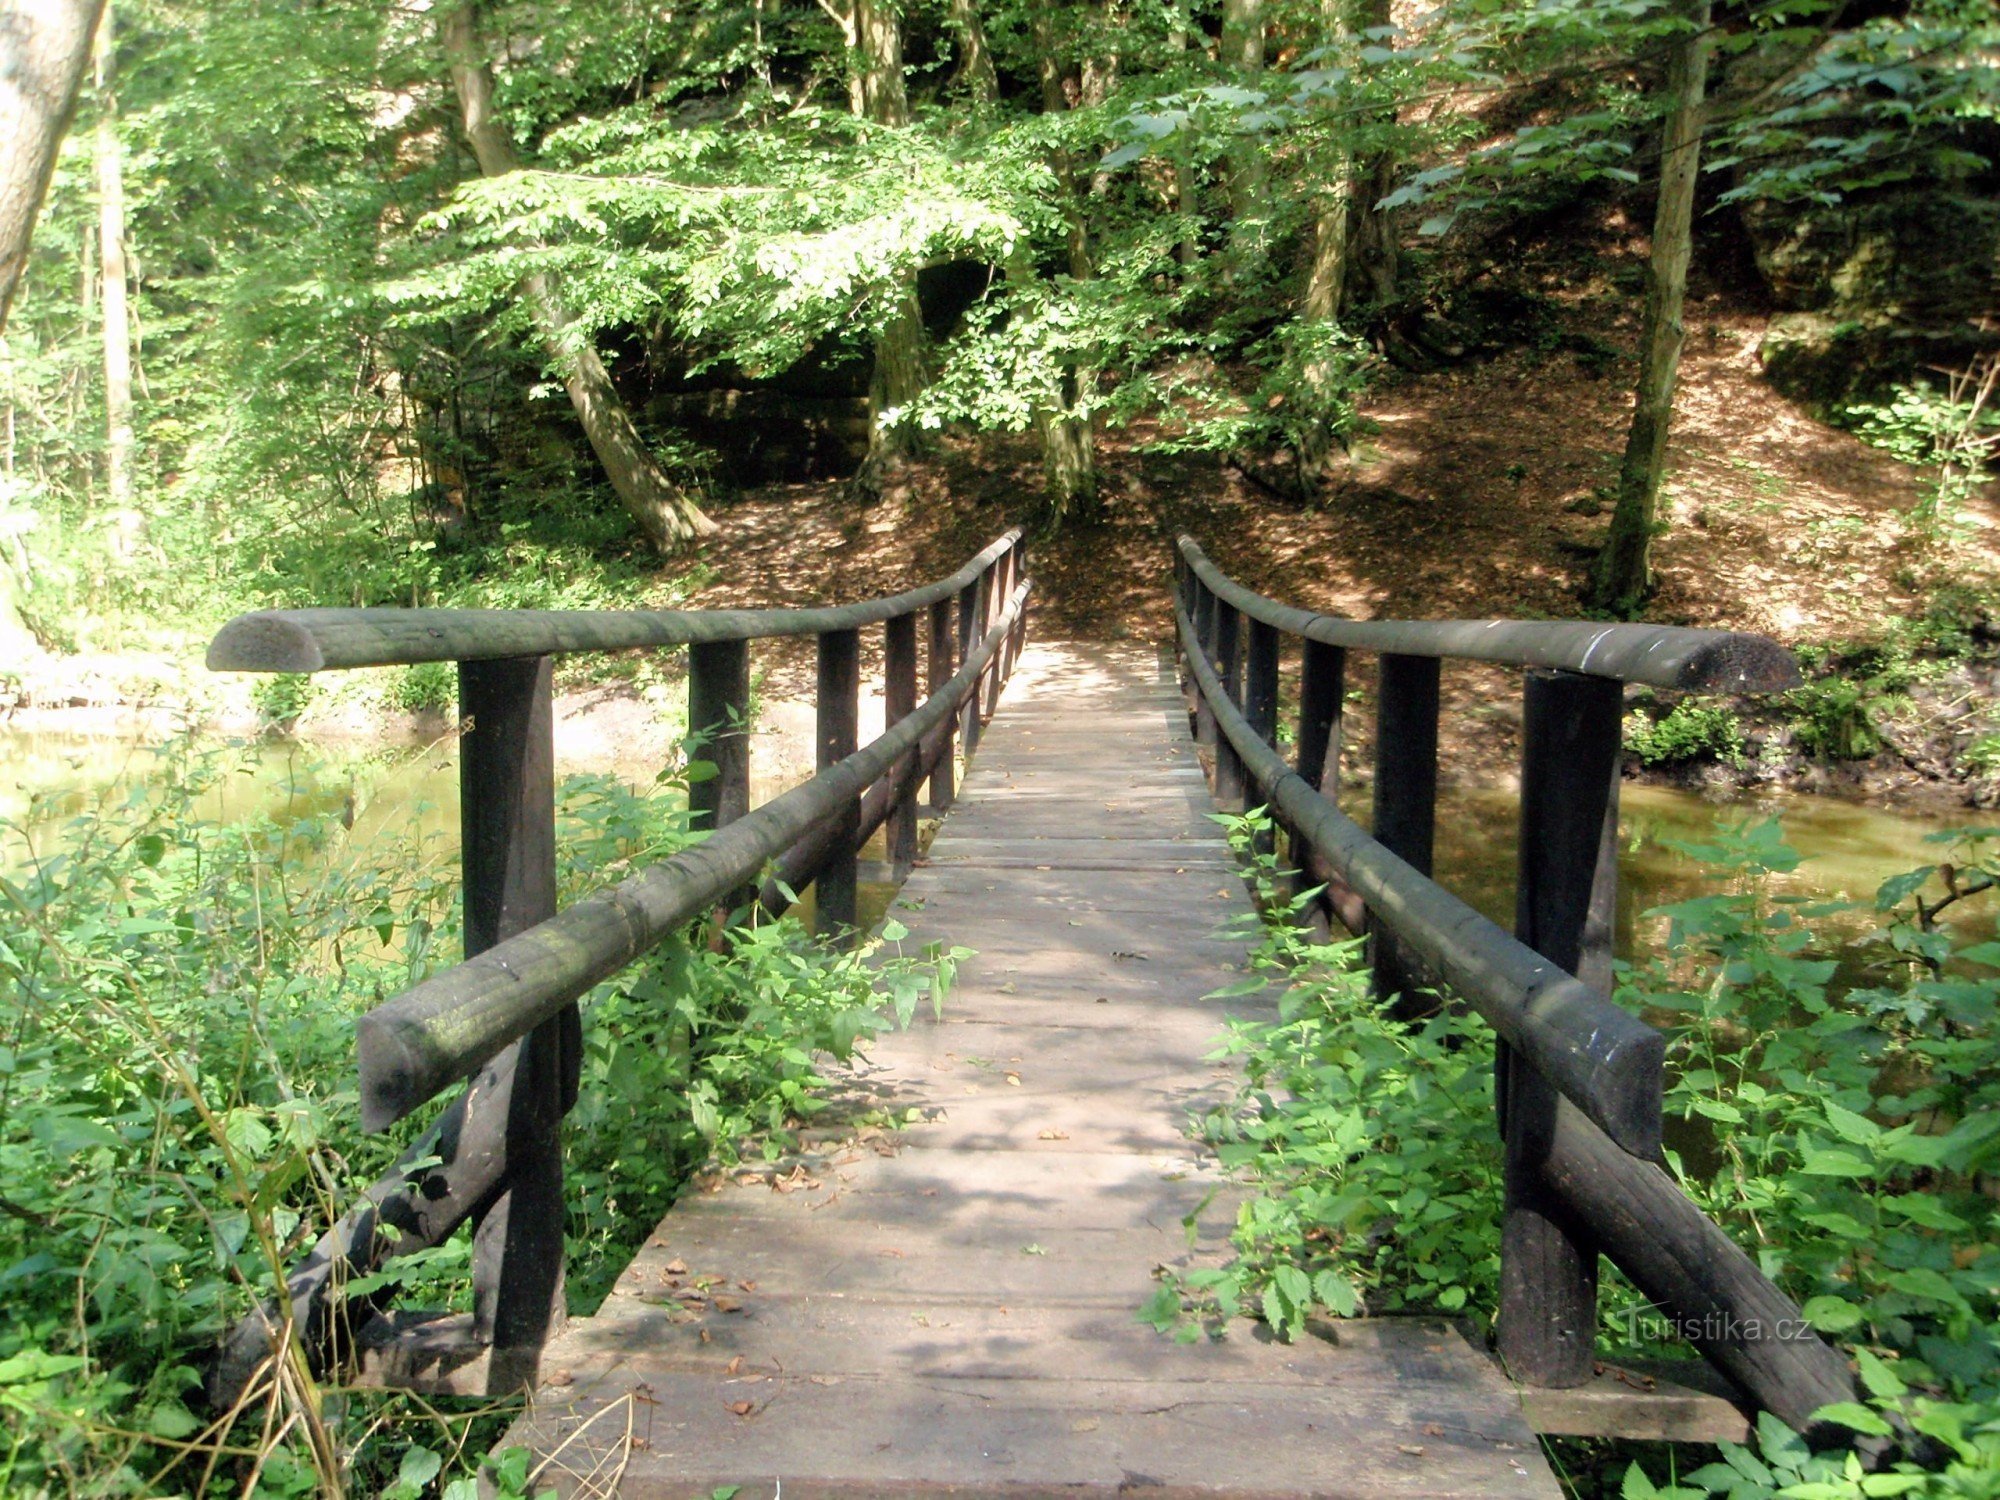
949,1308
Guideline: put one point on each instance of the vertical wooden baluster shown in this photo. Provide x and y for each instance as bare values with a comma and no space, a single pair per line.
1406,726
1018,636
1565,908
1260,700
719,729
899,701
1322,696
1203,618
970,608
838,738
1228,660
999,584
507,832
940,669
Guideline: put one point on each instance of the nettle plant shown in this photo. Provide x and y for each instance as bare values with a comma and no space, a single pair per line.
178,1118
1834,1102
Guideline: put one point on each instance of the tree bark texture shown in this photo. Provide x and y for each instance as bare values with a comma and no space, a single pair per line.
1372,249
975,59
1243,59
663,510
1624,575
901,363
111,260
44,48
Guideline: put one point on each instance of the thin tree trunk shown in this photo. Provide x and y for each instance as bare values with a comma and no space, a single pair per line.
663,510
975,59
1243,57
1623,576
1066,427
44,48
901,363
111,255
1372,253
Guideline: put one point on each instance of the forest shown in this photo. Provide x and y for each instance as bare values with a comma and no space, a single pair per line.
1681,311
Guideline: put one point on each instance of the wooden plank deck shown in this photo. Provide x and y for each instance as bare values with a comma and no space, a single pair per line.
951,1311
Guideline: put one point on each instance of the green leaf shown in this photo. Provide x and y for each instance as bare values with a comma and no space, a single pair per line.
1855,1416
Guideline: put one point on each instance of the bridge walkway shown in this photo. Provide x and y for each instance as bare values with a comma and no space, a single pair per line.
949,1308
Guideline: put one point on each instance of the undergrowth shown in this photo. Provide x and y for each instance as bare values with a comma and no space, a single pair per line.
1836,1109
178,1117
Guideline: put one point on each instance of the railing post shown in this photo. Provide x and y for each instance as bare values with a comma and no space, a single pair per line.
1565,907
1017,637
718,724
1406,727
970,610
507,831
941,667
1260,700
1322,695
1203,617
838,738
999,584
899,701
1228,662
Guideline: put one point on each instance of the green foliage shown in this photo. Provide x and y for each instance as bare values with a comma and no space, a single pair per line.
1368,1145
281,698
1690,730
1836,1110
177,1113
1834,718
1950,433
428,687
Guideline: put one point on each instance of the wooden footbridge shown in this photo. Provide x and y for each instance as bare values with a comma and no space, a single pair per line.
950,1309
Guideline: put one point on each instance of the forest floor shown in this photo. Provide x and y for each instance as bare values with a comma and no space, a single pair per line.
1479,493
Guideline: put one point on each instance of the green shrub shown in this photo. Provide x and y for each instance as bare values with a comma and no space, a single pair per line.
1834,718
280,699
1692,730
428,687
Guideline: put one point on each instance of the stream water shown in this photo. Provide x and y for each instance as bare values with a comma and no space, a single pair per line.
46,779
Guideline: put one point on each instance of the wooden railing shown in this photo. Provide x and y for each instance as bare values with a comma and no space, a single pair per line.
505,1021
1579,1080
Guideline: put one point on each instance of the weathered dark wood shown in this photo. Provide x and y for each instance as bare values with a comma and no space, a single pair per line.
1566,895
1203,615
1710,661
941,659
1260,681
1227,654
899,701
971,610
1710,1291
1405,818
719,731
1597,1054
320,640
1000,586
507,823
413,1046
1322,701
1645,1400
838,736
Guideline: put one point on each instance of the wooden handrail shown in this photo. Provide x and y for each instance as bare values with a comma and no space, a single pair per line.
324,640
1664,656
1579,1079
432,1035
506,1019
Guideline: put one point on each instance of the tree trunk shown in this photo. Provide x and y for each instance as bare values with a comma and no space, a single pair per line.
1623,576
1067,428
44,48
663,510
900,350
1372,277
1243,58
975,60
111,258
1326,285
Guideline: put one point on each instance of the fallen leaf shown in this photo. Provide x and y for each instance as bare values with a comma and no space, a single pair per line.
1431,1429
726,1305
747,1286
1084,1424
742,1408
559,1377
1054,1135
1415,1450
734,1367
677,1267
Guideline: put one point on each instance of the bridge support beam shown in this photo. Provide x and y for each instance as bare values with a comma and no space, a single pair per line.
1565,907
